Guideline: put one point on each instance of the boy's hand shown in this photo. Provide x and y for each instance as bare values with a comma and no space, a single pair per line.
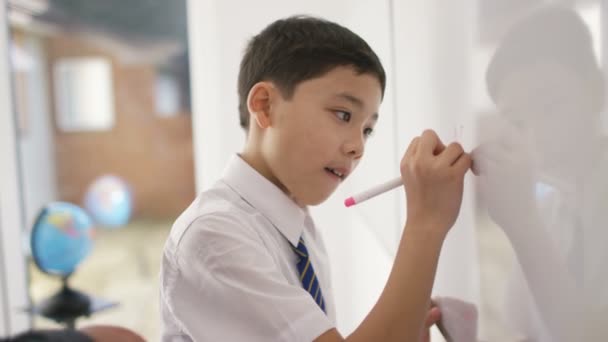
433,175
432,317
459,319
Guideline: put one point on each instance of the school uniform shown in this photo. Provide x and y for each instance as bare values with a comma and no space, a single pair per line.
245,263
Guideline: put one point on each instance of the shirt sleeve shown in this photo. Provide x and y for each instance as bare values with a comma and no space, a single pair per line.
226,286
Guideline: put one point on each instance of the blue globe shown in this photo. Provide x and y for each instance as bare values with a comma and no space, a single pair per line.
108,200
61,238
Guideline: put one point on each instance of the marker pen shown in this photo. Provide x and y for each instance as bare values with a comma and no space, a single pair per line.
373,192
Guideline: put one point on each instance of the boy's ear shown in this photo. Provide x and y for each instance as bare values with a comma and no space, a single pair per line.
259,103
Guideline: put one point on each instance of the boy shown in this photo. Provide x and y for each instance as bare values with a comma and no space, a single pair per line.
245,261
547,191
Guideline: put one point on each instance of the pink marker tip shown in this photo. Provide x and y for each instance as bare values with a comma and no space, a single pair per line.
349,201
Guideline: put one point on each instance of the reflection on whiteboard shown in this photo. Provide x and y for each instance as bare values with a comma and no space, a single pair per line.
542,162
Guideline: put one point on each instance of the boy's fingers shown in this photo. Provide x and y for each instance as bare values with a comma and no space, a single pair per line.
432,317
430,143
413,147
451,154
439,148
426,336
463,163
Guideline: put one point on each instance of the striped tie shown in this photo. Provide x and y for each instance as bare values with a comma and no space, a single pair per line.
307,275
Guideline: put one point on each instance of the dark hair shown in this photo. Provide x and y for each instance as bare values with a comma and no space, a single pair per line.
549,33
300,48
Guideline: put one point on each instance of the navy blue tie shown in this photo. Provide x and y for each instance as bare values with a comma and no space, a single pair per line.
307,274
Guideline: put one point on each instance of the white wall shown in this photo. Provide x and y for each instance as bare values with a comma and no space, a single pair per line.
36,143
434,53
13,297
362,240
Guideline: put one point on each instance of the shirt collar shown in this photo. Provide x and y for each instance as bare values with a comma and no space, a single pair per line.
266,197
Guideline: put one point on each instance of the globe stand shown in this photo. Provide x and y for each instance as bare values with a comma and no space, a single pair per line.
68,304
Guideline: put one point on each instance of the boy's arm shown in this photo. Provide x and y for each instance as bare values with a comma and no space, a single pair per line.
433,176
399,313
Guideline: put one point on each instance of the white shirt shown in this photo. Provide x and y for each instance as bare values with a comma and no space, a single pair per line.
229,273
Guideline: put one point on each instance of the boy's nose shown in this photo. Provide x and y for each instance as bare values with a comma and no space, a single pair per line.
355,146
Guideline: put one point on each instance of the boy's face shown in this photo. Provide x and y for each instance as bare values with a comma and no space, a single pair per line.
317,137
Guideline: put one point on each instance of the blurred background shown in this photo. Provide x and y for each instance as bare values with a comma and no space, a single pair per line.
101,98
128,108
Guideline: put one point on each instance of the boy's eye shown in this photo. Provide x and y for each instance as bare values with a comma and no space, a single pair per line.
342,115
368,132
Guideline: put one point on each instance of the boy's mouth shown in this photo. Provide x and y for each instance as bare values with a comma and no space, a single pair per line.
336,172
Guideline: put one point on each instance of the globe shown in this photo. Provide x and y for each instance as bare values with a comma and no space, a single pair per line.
108,200
61,238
